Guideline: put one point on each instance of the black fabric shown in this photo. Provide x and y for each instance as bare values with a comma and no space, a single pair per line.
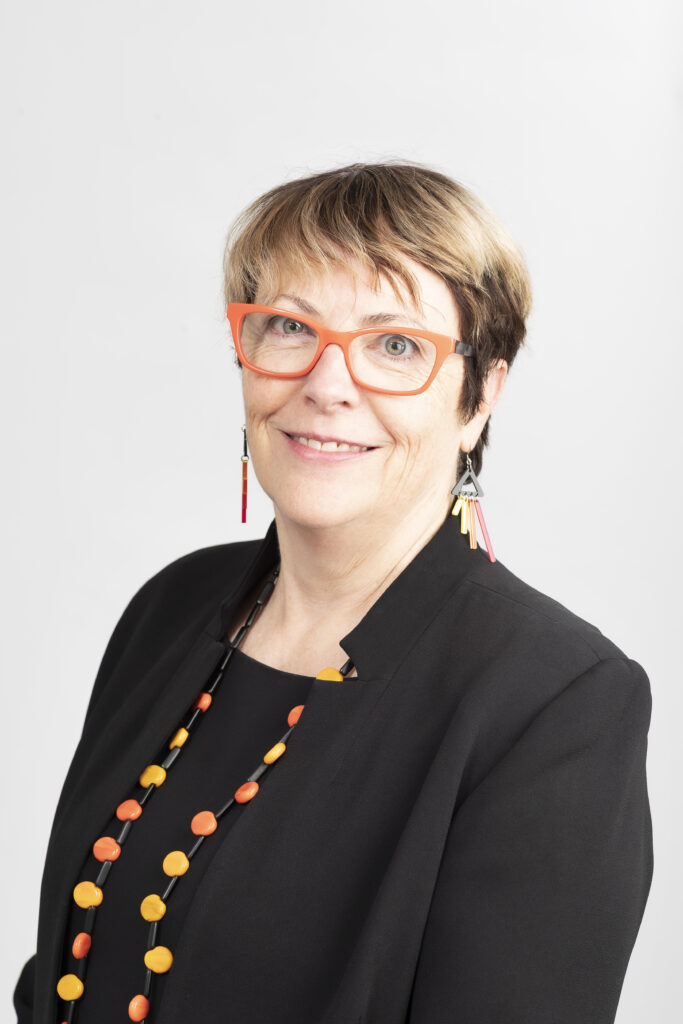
247,717
462,833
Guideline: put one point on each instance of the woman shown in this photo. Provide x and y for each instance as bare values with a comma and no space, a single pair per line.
357,771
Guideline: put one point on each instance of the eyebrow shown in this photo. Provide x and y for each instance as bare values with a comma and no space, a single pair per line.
371,320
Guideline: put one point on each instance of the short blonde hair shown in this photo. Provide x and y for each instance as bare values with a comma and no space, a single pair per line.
374,213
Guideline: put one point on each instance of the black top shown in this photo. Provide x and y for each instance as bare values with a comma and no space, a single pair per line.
461,833
247,716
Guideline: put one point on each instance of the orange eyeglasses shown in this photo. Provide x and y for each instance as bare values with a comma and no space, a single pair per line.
393,361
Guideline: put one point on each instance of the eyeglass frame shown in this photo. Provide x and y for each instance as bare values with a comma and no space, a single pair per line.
445,344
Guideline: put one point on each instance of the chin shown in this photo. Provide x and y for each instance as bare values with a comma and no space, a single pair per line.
317,511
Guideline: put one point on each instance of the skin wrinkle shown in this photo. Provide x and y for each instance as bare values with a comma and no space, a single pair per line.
395,319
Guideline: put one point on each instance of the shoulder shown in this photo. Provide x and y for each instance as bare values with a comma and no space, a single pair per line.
203,566
199,577
519,648
167,611
519,656
501,597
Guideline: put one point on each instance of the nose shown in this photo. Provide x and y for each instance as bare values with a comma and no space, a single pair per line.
330,377
331,364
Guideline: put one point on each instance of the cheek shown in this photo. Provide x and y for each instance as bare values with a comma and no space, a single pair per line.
263,396
425,422
447,389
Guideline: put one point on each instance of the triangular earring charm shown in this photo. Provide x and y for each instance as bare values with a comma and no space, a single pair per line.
468,491
478,491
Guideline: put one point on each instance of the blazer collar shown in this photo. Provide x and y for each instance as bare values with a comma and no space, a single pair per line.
385,634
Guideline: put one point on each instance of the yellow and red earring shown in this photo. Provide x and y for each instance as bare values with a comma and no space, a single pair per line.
245,460
468,491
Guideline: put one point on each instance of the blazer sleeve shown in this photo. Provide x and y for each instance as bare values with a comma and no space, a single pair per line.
547,867
131,620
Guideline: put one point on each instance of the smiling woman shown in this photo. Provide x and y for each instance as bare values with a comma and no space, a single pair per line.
384,224
447,816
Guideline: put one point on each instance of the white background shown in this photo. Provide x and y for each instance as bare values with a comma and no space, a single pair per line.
133,133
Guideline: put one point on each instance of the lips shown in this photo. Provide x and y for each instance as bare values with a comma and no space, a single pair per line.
317,454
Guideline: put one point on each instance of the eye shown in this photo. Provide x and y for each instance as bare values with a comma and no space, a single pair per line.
397,347
397,344
286,325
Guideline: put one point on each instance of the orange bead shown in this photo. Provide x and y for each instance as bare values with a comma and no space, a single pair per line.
129,810
203,701
295,714
138,1008
246,792
81,945
106,848
204,823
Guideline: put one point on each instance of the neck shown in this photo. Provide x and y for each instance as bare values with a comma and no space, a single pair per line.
331,575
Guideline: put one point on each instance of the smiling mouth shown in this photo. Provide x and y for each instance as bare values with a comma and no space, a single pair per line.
329,446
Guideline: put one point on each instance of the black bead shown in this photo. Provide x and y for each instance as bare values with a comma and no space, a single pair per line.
170,757
103,872
125,829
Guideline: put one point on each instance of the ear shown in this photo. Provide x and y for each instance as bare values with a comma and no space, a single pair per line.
493,386
491,392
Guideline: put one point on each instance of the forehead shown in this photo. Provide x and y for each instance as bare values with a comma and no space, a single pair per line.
351,288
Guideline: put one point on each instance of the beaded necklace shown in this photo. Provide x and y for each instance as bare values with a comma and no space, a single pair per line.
158,959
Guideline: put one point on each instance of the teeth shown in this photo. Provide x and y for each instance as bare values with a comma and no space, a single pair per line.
329,446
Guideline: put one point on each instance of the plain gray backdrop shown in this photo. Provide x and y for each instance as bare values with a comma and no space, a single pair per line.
133,134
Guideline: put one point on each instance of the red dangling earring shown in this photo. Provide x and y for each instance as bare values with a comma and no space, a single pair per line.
468,491
245,460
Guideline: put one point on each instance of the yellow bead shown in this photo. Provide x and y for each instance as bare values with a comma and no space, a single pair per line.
179,738
175,863
87,894
153,773
274,752
159,959
152,907
69,987
330,673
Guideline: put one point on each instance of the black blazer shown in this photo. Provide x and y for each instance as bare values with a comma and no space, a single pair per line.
463,833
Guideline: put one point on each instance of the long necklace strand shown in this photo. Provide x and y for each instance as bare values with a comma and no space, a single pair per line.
158,959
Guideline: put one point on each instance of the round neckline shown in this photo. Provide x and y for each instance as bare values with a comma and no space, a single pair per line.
261,666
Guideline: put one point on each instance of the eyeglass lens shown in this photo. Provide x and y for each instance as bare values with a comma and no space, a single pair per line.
396,362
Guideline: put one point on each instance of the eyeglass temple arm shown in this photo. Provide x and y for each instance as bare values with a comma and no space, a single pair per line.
464,349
